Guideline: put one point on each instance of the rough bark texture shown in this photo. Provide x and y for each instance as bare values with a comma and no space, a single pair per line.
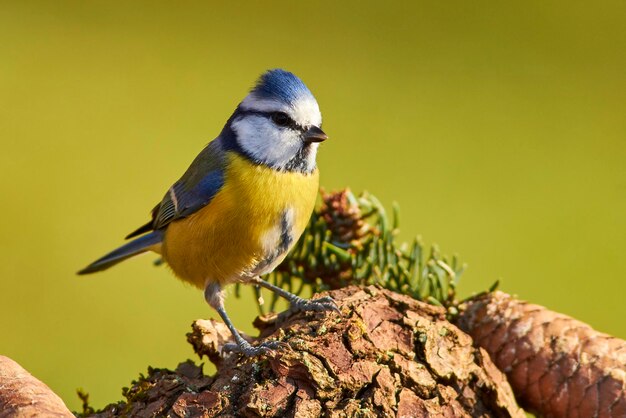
386,355
557,366
23,396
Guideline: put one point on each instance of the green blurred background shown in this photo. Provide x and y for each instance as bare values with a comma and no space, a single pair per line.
499,127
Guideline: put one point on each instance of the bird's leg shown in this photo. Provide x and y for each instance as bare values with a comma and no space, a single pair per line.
214,296
297,303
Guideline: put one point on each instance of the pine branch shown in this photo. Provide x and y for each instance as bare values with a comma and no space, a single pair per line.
350,240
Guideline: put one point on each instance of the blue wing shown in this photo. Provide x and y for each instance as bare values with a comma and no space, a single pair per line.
195,189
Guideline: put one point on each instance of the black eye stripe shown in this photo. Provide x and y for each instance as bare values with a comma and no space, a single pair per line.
270,115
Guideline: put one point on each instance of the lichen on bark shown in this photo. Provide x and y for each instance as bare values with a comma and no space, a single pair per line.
384,355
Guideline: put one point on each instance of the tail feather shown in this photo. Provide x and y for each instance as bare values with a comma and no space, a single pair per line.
128,250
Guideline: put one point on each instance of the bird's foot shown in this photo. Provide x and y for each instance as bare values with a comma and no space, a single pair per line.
248,350
325,303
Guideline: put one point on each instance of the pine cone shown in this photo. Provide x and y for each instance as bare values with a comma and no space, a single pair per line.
343,216
558,367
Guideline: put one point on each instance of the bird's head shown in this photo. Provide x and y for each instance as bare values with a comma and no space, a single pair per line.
279,123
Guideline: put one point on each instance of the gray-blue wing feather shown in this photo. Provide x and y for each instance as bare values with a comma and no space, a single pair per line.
194,190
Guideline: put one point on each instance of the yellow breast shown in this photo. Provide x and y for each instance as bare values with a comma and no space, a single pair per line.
248,227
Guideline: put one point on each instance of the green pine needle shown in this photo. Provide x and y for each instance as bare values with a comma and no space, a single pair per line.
350,240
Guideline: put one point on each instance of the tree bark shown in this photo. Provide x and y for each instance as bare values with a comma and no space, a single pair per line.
384,355
23,396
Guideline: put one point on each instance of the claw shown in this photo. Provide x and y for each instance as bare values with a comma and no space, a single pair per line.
265,348
325,303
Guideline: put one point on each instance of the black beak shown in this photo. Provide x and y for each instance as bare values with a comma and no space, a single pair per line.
314,134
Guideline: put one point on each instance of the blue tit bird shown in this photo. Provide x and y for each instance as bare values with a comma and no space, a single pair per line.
243,202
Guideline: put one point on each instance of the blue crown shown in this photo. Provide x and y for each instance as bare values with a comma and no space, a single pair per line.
280,84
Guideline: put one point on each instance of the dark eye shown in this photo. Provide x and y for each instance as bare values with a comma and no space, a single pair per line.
281,119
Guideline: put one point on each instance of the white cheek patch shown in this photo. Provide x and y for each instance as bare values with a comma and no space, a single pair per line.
265,142
278,147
